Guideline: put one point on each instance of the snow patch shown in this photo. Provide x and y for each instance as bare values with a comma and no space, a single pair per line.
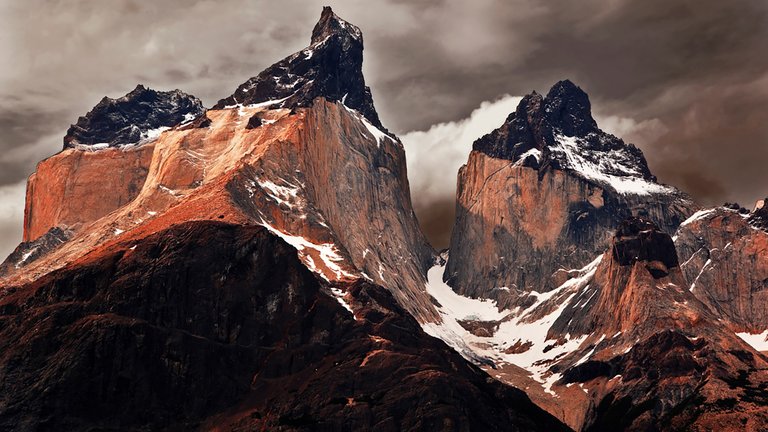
375,132
152,134
701,272
327,252
188,117
339,296
757,341
288,194
697,216
458,306
536,153
601,168
511,331
26,256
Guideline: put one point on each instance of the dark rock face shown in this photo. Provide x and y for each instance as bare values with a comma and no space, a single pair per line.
212,325
26,252
670,382
565,111
127,119
641,240
330,67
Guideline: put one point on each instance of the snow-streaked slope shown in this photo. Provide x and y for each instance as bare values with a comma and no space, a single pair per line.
519,339
613,168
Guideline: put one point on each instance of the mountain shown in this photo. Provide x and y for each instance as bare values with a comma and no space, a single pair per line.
544,193
622,345
141,114
330,67
563,278
229,273
316,171
258,266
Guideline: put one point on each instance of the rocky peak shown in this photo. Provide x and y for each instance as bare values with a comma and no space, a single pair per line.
133,117
331,25
558,131
640,240
330,67
569,110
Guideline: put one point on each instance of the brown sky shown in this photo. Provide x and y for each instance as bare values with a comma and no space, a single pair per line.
687,80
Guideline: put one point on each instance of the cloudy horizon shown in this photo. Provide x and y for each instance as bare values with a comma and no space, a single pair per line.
684,81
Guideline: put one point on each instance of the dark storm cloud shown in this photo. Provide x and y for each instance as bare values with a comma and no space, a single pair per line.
694,69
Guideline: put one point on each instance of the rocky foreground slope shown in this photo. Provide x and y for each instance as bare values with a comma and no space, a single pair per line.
212,325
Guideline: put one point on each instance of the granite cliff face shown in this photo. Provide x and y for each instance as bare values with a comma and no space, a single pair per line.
725,260
543,194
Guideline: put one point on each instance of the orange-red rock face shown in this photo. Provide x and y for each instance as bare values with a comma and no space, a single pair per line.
76,187
317,176
725,260
524,229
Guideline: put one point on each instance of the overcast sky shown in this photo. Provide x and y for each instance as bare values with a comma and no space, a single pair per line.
687,81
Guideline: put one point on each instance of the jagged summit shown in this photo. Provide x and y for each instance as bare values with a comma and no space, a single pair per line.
133,117
331,24
558,131
331,67
568,109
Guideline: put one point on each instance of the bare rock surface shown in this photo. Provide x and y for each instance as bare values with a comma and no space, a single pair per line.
725,260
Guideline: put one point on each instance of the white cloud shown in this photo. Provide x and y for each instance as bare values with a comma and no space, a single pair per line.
435,155
640,133
11,216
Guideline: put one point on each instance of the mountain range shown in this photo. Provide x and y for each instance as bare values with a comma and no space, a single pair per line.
258,266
